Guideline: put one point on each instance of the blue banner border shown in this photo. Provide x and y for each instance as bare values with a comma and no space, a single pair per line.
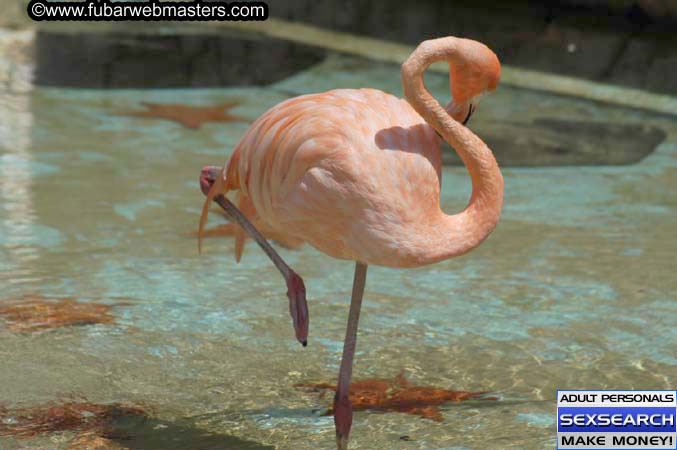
557,447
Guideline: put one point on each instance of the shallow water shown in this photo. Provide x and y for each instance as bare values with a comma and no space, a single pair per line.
574,289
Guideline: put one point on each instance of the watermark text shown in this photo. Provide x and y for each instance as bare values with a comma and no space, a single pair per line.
152,10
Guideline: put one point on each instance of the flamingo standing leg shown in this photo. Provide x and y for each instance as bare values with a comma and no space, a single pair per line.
343,410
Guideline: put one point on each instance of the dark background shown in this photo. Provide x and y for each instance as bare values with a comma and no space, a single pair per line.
629,43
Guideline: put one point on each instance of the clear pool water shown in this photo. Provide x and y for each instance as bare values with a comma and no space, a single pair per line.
575,288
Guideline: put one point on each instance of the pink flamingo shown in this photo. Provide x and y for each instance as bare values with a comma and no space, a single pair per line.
357,175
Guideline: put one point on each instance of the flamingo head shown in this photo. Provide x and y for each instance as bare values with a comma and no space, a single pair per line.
475,73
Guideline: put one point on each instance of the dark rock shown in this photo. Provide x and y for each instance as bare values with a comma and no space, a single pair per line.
568,51
648,61
564,142
115,60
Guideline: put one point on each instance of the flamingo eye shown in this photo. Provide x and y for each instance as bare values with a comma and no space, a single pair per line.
470,111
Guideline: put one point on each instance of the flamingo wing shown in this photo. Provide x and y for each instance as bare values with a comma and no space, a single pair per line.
351,172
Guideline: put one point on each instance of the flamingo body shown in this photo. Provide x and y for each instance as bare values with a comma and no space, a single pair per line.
355,173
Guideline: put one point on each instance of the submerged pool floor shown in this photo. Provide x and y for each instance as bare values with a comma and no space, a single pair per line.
575,289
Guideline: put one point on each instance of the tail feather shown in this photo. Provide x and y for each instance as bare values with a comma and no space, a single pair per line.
219,187
246,207
216,189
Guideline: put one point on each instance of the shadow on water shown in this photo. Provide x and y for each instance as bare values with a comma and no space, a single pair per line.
138,433
113,425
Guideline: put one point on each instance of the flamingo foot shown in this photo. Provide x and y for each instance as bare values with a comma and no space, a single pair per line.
298,307
208,175
343,420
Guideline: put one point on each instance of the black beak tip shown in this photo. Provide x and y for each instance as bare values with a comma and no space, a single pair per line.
470,111
304,343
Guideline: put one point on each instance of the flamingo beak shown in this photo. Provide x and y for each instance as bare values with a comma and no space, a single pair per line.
460,111
470,111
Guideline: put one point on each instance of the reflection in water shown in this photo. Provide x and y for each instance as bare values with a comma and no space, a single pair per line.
16,207
18,214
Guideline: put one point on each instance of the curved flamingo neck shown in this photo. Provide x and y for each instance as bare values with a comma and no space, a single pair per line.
461,232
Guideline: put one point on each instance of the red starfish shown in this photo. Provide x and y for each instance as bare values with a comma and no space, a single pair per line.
399,395
70,415
187,115
35,312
